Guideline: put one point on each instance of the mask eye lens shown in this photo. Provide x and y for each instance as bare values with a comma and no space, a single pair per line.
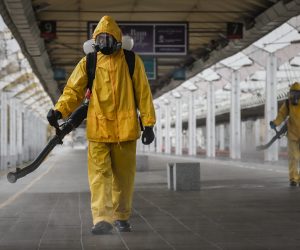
106,43
104,39
101,40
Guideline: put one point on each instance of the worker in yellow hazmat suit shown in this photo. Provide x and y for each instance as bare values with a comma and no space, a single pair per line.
291,109
112,125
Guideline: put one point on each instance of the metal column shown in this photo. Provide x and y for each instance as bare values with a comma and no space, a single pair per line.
221,137
210,122
192,124
167,128
257,132
26,149
243,137
12,134
235,117
4,130
271,154
158,135
178,125
19,134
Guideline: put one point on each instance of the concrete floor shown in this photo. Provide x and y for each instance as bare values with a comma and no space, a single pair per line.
240,206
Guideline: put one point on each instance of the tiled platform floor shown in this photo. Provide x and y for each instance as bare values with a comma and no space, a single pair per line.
240,206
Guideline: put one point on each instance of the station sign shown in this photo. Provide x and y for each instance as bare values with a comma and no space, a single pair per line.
235,31
154,38
48,29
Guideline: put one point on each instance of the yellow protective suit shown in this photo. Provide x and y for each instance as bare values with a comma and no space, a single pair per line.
112,124
293,112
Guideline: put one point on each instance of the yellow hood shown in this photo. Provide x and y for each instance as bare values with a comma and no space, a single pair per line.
295,86
108,25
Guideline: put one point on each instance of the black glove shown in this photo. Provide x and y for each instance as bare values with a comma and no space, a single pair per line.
272,125
53,116
148,135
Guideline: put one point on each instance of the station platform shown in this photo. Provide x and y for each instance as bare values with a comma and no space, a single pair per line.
240,206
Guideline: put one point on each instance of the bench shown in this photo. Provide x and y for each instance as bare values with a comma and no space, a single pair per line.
183,176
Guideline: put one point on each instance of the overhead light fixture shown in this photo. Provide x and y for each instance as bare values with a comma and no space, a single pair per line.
254,79
295,41
176,94
226,88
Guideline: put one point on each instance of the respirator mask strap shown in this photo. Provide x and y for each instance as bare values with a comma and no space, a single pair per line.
294,97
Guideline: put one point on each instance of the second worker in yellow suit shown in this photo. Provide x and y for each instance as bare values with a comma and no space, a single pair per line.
112,125
291,109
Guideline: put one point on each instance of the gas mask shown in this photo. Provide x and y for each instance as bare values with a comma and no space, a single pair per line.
107,44
294,97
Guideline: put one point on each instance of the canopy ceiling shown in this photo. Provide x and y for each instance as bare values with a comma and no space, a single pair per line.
206,20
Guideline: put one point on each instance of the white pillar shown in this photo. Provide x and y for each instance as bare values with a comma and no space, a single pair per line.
12,134
235,117
26,151
271,154
221,137
4,130
192,124
19,133
167,128
257,132
158,130
243,136
210,122
178,126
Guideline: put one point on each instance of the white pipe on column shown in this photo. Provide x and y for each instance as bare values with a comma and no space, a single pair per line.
167,128
210,122
158,135
192,124
221,137
12,132
19,133
235,117
243,136
271,154
178,136
26,156
257,132
4,130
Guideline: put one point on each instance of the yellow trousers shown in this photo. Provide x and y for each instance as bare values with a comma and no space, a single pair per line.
111,172
294,156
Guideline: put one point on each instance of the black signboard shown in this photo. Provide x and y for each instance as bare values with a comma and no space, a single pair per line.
48,29
235,30
170,35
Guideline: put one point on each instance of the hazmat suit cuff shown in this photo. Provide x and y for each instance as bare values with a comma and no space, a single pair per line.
276,122
149,125
63,112
148,122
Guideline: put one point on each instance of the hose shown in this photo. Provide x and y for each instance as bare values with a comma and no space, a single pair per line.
73,122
